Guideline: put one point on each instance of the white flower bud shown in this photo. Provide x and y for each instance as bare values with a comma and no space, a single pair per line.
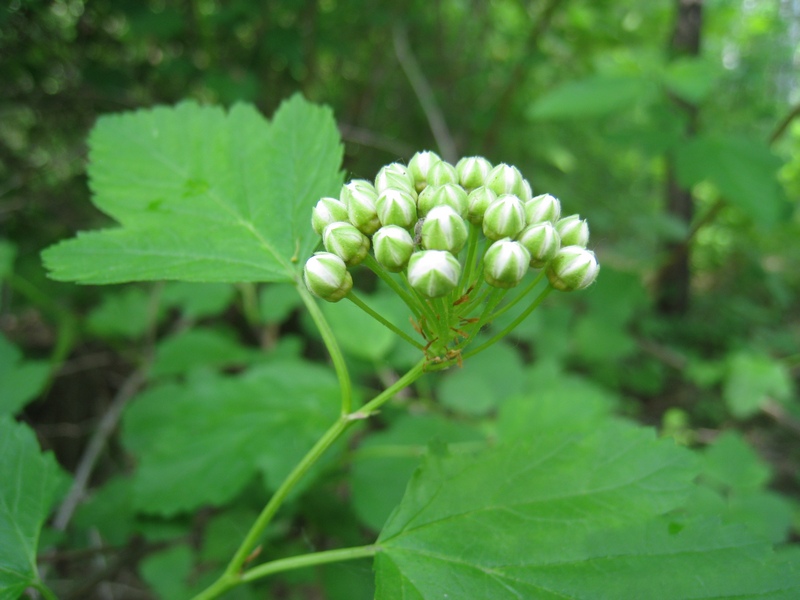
505,179
433,273
327,211
396,176
360,197
419,165
346,242
527,191
542,208
450,194
393,247
478,201
472,171
572,268
396,207
573,230
326,276
542,241
505,263
442,172
444,229
505,217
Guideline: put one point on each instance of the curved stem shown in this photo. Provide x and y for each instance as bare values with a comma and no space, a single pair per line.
374,266
332,345
520,296
389,325
373,405
472,246
307,560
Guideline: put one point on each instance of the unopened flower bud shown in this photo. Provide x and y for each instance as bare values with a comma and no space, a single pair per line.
472,171
442,172
396,207
433,273
419,165
393,247
450,194
505,217
444,229
573,230
478,201
572,268
360,197
326,276
542,208
505,263
397,176
505,179
346,242
527,193
542,241
327,211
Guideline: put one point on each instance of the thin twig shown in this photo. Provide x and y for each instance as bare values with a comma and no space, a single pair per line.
422,89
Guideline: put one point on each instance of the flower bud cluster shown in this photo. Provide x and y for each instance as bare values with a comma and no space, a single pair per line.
429,218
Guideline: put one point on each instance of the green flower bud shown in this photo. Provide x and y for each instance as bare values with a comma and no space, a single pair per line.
433,273
326,276
444,229
327,211
478,201
393,247
505,179
396,207
573,230
419,165
472,171
527,191
396,176
505,217
572,268
542,241
505,263
542,208
360,197
346,242
442,172
450,194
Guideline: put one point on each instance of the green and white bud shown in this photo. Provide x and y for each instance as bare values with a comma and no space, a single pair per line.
504,218
419,165
528,191
346,242
444,229
505,179
572,268
360,196
472,171
542,241
326,276
441,173
393,247
505,263
396,176
327,211
396,207
573,230
433,273
449,194
478,201
543,208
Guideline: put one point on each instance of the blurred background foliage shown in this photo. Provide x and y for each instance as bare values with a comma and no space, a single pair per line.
621,108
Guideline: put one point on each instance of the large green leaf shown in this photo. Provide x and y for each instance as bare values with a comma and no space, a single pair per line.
204,195
28,480
593,96
201,442
22,380
568,516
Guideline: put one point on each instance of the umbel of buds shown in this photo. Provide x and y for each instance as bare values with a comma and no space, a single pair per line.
438,233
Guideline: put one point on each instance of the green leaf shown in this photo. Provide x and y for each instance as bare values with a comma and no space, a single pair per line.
200,347
203,441
731,462
385,461
168,571
751,380
691,79
204,195
744,171
122,314
277,301
593,96
21,380
29,482
198,300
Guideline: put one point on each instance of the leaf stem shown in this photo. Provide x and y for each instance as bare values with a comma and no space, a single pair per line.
377,316
307,560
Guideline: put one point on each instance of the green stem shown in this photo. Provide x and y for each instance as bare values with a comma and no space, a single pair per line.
332,345
250,304
389,325
513,324
407,379
495,298
376,267
45,591
307,560
520,296
422,302
472,246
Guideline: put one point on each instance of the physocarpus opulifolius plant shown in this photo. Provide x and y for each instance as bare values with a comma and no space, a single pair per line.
455,243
